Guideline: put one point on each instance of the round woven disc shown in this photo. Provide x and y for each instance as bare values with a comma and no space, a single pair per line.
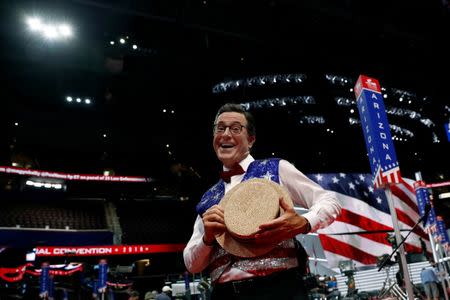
247,206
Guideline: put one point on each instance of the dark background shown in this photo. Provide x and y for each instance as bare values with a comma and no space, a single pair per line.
185,48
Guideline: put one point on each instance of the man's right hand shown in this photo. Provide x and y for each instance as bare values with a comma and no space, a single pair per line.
214,224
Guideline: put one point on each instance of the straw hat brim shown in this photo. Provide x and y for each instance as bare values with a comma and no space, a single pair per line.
246,206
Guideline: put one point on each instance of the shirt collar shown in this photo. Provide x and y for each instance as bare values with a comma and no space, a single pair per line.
244,163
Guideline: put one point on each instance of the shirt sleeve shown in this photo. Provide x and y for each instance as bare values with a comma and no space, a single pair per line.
196,254
323,205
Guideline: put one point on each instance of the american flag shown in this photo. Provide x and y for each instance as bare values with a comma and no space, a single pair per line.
360,232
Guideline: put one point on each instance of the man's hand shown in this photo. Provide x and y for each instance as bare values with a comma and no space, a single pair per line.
286,226
214,224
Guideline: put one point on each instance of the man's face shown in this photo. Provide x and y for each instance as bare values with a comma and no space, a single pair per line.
231,149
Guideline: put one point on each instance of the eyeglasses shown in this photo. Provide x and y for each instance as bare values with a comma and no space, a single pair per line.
235,128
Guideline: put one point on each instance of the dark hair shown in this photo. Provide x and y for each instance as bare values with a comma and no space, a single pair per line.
233,107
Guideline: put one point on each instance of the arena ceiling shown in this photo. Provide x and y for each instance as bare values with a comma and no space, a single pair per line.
152,107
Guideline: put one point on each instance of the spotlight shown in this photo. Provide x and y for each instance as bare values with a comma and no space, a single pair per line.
78,100
69,99
87,101
48,30
122,41
111,42
34,24
134,47
65,30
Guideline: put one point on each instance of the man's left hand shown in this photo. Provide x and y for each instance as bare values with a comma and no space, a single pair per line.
286,226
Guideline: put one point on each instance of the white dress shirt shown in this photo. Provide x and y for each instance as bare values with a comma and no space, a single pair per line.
322,204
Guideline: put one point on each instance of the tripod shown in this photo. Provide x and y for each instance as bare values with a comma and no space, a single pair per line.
390,287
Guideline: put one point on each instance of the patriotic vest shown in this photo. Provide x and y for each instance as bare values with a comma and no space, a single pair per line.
282,257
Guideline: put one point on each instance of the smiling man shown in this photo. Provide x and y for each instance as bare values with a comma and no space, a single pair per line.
278,273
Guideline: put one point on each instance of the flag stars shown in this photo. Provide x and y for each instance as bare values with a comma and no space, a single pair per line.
334,179
370,189
342,175
268,175
319,177
264,162
361,177
379,200
351,186
366,194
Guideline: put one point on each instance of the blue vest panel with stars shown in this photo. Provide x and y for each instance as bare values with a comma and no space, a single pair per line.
267,168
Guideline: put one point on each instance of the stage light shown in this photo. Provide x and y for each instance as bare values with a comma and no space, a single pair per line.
34,24
69,99
134,47
65,30
122,41
78,100
87,101
16,124
48,30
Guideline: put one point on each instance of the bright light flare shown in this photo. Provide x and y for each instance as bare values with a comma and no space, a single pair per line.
50,31
34,24
65,30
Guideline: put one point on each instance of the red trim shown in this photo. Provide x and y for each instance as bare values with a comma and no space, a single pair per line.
108,250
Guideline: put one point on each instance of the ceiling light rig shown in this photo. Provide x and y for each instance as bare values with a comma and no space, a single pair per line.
278,102
394,128
312,120
71,99
436,139
230,85
50,31
339,80
342,101
125,43
391,110
388,93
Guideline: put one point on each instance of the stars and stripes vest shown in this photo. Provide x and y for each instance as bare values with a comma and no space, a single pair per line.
282,257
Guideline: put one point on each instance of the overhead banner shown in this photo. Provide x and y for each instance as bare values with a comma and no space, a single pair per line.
380,148
71,176
109,250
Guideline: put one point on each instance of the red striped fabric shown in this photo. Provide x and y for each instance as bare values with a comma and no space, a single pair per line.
361,232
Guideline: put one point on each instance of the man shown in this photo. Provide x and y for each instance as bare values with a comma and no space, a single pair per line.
273,275
134,295
429,281
165,293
